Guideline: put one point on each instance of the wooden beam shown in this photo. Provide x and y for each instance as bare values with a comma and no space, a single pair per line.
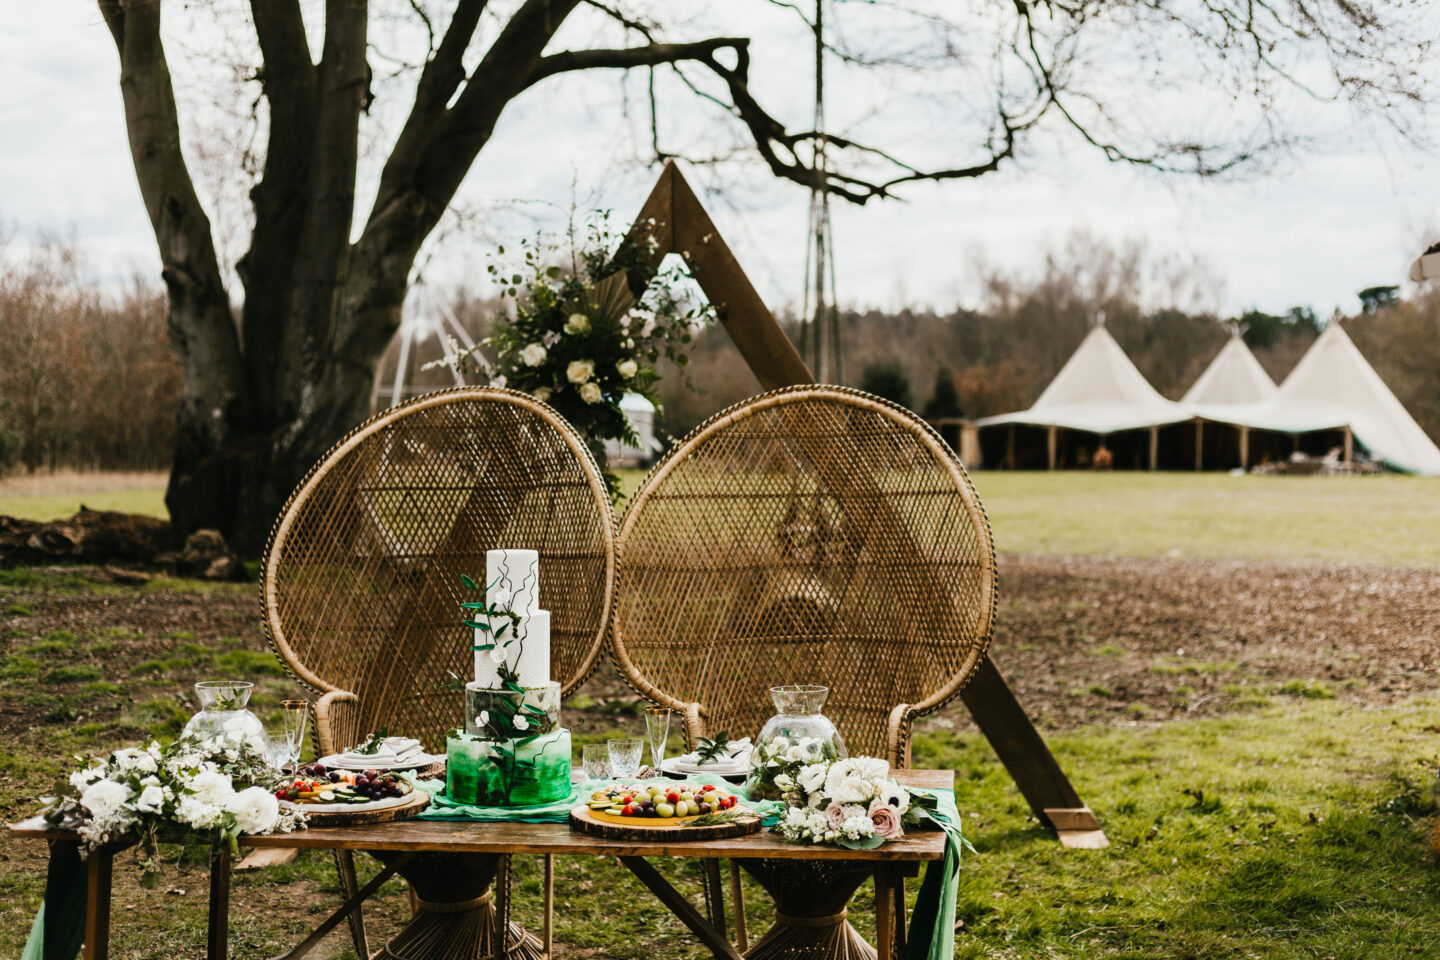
1154,448
1349,444
1051,442
1244,448
218,933
97,903
687,914
1199,444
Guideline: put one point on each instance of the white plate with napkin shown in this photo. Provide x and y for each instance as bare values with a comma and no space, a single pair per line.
391,753
734,765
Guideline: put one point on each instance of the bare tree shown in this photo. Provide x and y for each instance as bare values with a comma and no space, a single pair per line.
264,398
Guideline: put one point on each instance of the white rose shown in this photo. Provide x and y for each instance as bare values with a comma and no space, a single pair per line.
200,814
211,787
496,654
580,371
483,719
542,394
81,779
590,392
255,809
151,799
104,796
521,723
627,368
578,323
501,597
533,355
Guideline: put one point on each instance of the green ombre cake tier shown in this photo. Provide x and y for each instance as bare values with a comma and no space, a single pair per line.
491,714
508,773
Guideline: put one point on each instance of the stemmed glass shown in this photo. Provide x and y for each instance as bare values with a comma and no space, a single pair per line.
657,725
625,756
294,717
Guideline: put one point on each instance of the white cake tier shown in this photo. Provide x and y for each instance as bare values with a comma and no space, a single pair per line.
512,579
524,647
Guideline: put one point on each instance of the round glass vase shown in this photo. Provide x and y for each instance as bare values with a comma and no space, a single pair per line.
805,731
223,711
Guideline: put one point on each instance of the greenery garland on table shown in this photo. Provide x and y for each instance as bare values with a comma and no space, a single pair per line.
578,339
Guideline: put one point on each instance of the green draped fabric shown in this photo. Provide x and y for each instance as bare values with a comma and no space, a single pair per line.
59,927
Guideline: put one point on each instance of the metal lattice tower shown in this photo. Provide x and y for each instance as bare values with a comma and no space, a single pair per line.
820,315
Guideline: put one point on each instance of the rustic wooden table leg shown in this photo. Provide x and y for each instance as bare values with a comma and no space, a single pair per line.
900,935
884,911
547,929
349,886
219,930
714,895
97,904
737,897
683,910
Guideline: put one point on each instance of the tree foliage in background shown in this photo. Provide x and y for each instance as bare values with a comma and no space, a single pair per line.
86,380
889,379
944,398
323,291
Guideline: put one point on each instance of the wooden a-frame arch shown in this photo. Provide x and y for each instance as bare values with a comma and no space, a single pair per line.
673,218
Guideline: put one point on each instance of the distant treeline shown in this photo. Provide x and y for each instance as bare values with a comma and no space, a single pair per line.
88,380
998,358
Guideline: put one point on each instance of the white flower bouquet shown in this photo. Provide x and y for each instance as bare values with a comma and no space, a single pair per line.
216,786
850,803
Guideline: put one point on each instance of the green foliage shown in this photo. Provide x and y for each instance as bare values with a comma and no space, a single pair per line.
1375,299
1263,329
249,663
890,379
944,396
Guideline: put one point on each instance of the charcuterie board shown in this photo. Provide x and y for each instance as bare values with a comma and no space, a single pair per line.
598,823
377,811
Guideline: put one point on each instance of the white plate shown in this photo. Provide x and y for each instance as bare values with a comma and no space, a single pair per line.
347,807
333,762
668,768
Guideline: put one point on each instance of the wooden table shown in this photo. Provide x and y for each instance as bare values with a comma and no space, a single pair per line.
458,872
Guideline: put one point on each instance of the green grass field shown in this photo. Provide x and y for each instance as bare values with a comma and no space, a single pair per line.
1387,520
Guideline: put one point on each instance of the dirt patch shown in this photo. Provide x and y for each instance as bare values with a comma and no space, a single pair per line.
1085,638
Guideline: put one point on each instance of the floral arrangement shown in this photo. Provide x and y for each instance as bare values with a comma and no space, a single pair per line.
216,786
579,339
777,756
851,802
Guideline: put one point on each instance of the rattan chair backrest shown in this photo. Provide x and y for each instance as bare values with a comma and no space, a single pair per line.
362,577
809,535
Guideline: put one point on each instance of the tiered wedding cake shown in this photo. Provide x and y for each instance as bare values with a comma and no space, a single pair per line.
513,752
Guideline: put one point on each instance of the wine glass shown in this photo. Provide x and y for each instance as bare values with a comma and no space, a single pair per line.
294,717
625,756
595,759
657,725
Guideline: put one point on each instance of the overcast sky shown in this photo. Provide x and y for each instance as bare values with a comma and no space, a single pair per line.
1315,231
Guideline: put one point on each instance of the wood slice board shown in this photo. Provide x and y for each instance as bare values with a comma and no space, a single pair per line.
600,824
358,814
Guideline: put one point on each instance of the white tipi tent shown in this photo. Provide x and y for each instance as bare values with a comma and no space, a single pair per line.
1333,385
1233,377
1098,391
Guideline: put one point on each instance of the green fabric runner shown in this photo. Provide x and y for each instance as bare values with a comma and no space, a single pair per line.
59,927
932,923
443,808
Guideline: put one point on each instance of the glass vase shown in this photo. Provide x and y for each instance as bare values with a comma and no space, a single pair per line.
798,733
223,711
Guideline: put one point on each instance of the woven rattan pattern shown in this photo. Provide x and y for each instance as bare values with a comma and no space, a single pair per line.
810,535
362,576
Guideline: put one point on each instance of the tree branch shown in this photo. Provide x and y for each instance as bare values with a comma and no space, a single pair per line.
626,58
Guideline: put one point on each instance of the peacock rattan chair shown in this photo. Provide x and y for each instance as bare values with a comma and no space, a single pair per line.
809,535
362,586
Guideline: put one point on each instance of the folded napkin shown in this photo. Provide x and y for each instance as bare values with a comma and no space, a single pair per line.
392,750
735,762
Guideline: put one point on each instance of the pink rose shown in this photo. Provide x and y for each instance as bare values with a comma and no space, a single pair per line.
886,820
835,813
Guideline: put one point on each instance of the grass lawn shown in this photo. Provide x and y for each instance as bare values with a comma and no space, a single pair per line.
1386,521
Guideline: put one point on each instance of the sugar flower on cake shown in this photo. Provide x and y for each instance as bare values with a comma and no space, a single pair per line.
521,723
483,719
